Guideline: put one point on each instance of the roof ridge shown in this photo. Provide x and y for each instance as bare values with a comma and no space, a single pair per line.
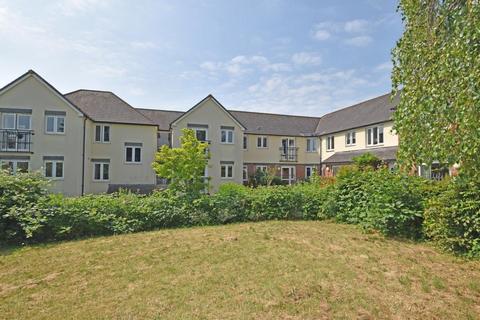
356,104
91,90
163,110
277,114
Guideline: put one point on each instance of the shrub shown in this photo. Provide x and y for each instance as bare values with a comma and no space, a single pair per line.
390,203
17,192
367,160
452,217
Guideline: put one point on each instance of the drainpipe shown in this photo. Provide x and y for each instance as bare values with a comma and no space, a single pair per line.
320,146
83,155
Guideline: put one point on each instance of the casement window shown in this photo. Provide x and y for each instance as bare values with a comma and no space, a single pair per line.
330,143
54,169
262,142
245,173
311,144
133,152
261,168
375,136
226,170
54,123
226,135
16,121
201,131
309,172
101,171
102,133
350,138
15,166
245,142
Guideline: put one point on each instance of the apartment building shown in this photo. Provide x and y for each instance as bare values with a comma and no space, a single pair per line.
91,141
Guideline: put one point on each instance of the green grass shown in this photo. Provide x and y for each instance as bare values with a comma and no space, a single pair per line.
271,270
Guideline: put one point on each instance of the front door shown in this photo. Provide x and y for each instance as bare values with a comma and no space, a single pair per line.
288,174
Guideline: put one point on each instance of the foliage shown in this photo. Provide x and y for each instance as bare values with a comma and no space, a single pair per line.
379,200
265,178
452,218
184,167
367,160
437,75
17,191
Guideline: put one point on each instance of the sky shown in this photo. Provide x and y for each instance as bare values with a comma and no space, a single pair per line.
305,57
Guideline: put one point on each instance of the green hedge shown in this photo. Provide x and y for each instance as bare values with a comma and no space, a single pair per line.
393,204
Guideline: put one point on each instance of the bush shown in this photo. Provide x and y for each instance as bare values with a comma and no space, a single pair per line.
452,217
20,191
390,203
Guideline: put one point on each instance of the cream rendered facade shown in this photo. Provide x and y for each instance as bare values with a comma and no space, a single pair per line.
210,115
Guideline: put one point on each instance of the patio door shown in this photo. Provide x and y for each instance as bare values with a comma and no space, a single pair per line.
288,174
288,149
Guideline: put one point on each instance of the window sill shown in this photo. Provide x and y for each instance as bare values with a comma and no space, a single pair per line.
331,150
228,143
100,181
375,145
315,151
350,145
135,163
55,133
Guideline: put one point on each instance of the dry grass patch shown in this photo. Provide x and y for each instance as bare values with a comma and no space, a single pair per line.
271,270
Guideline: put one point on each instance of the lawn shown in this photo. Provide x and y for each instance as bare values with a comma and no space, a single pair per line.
271,270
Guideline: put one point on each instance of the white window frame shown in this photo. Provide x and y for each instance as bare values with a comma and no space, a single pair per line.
17,118
312,171
15,164
349,137
245,174
55,124
330,141
195,129
370,135
14,120
54,169
102,171
133,154
102,133
227,136
262,168
263,142
245,142
312,145
227,166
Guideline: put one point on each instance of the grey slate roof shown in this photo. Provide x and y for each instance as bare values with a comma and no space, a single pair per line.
254,122
376,110
276,124
386,153
104,106
163,118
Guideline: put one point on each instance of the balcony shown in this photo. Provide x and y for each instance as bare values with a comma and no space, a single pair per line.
12,140
288,154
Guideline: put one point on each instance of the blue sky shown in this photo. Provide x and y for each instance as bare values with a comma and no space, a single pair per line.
283,56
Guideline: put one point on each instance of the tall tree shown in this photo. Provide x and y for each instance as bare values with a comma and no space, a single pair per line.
184,167
437,74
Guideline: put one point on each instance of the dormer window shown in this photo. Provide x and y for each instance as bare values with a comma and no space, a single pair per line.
375,136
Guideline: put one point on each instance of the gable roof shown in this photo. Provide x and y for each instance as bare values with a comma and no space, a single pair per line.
105,106
162,118
210,97
276,124
32,73
376,110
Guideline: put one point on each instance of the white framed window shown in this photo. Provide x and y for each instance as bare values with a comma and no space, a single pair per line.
101,171
262,142
133,154
311,144
245,142
375,136
309,172
226,170
8,121
330,143
16,121
261,168
102,133
54,124
350,138
14,166
201,134
226,135
245,173
54,169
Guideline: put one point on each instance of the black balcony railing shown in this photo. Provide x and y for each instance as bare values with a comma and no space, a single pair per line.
288,154
15,140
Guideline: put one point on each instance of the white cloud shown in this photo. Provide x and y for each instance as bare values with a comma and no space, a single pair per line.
143,45
71,7
360,41
356,26
321,35
386,66
306,58
241,65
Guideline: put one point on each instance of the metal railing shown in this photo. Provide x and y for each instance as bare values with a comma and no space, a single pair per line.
12,140
288,154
